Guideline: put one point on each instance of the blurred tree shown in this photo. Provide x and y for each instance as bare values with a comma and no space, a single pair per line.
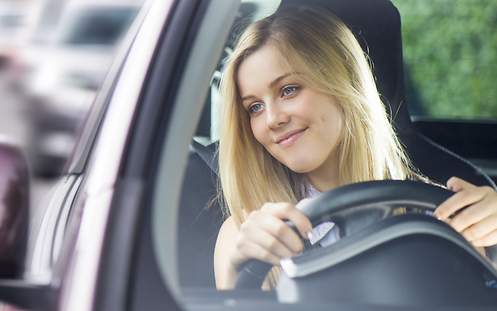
450,50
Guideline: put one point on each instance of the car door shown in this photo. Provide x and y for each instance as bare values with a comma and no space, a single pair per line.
172,95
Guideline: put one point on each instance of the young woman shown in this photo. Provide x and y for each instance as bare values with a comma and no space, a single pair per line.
301,115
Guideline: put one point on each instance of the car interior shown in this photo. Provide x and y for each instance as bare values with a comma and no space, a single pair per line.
377,26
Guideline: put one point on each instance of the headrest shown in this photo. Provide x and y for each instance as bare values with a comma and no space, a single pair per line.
376,25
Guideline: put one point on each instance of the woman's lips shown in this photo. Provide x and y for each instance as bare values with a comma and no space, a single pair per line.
290,140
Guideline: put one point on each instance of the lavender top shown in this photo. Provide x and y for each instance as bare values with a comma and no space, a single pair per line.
325,233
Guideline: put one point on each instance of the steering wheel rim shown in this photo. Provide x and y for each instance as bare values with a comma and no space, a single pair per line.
369,201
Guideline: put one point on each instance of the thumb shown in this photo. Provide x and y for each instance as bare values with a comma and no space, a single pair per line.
302,203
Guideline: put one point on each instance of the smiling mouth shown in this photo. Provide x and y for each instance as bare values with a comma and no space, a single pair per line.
291,139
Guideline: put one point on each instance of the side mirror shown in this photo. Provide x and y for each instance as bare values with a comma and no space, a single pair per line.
14,225
14,210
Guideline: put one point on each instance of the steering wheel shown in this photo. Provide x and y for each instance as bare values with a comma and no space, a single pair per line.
354,207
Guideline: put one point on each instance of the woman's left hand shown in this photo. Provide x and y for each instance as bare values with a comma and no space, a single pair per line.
472,211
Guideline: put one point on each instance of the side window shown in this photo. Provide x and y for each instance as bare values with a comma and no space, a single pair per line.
249,11
57,63
200,215
450,59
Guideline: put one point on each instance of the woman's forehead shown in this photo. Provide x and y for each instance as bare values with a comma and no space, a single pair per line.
261,68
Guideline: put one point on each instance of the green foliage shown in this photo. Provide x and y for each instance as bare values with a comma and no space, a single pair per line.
450,50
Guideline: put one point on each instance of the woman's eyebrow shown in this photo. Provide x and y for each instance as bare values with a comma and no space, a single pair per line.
271,85
277,80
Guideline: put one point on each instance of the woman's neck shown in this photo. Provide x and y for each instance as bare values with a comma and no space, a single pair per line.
324,178
322,184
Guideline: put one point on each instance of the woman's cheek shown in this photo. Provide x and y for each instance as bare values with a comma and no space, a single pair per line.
255,130
259,134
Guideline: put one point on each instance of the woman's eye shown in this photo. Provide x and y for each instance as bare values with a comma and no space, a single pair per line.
255,108
289,90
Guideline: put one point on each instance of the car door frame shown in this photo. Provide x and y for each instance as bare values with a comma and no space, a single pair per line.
163,96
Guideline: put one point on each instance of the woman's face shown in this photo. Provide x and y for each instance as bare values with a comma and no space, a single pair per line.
297,125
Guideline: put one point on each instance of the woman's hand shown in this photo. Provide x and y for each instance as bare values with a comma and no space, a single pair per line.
472,211
265,236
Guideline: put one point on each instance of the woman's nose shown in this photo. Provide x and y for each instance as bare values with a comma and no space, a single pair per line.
276,116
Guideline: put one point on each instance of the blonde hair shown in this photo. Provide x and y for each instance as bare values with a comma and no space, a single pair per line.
320,47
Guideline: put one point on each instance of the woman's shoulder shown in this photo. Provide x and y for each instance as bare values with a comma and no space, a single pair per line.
227,233
229,224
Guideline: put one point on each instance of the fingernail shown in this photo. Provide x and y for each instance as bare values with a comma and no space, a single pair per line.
309,235
438,216
444,220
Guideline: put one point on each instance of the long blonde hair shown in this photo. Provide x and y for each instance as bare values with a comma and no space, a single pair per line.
320,46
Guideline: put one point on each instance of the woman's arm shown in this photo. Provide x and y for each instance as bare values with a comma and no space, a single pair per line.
225,273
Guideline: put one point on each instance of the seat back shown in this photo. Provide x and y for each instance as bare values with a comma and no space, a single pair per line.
199,219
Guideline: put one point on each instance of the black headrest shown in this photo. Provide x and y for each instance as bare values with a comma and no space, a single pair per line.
376,25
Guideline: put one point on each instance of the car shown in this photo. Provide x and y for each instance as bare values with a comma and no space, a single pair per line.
68,72
43,17
13,20
131,224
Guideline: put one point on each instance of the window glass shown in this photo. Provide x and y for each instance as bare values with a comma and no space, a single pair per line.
47,89
450,57
98,25
200,215
249,11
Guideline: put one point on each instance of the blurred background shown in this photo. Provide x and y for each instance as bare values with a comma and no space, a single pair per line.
450,51
54,55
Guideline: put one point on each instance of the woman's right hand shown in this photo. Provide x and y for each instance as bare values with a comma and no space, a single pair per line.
265,236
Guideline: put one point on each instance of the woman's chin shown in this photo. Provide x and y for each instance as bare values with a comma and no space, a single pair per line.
300,167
